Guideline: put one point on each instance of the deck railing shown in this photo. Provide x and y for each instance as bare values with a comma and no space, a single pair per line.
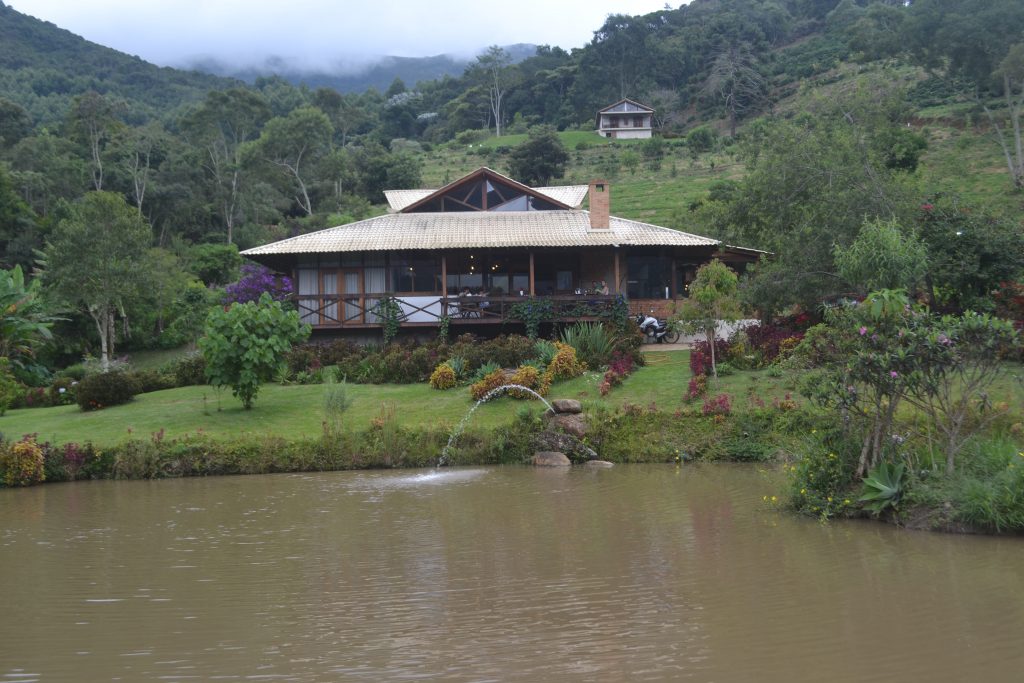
341,311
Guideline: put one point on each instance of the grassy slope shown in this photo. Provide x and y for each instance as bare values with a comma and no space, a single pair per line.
291,411
963,160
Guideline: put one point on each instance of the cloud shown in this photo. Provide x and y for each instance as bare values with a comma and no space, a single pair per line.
315,33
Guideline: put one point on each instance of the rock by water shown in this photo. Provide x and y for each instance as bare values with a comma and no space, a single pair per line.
550,459
567,406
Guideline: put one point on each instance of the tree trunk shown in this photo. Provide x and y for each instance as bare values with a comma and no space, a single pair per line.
711,342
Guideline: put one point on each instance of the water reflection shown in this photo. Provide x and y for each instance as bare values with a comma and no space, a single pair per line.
635,573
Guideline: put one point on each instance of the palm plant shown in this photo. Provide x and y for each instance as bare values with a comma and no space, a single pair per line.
24,322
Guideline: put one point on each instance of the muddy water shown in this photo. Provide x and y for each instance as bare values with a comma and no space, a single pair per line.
510,574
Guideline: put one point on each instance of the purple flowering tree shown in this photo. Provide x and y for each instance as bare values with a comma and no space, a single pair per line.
254,281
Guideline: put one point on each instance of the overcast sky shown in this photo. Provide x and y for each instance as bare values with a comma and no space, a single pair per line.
315,32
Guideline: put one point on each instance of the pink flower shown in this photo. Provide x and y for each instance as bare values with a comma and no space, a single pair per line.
863,331
893,374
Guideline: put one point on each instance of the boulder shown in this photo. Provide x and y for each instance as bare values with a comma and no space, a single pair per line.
598,464
575,425
563,443
550,459
566,405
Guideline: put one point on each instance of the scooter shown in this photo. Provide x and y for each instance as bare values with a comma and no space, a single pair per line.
657,330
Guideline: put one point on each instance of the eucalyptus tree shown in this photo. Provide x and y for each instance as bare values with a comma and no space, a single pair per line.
93,121
292,146
219,128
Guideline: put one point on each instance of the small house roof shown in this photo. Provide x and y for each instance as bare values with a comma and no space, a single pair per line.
626,106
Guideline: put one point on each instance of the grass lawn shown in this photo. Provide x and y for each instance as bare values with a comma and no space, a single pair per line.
296,410
291,411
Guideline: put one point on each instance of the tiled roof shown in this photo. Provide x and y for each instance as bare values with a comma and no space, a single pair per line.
479,229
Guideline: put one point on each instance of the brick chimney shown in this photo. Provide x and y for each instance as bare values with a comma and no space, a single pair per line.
600,204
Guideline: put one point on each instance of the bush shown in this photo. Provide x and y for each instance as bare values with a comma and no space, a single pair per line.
98,391
565,364
62,391
10,390
820,483
717,405
700,355
530,377
443,377
698,387
147,381
22,463
620,368
189,370
488,384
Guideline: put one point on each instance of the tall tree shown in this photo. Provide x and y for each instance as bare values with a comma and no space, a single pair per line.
219,128
736,81
140,150
495,65
811,183
94,261
293,145
93,121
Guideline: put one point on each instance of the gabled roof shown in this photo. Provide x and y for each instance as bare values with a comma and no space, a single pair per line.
481,174
570,195
626,106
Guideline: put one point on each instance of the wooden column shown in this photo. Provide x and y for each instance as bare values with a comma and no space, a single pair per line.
444,284
617,276
532,292
672,285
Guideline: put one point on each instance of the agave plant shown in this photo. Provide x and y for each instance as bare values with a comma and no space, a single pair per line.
593,342
883,487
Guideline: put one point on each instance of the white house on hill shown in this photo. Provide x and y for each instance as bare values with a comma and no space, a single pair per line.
625,120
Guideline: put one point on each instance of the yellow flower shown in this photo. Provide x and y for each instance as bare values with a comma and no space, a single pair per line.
803,491
846,501
829,499
774,499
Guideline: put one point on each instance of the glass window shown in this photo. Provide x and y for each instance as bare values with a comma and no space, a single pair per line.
649,276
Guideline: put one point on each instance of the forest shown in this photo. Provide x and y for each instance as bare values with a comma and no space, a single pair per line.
188,168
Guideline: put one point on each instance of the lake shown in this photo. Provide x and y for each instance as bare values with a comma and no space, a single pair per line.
637,573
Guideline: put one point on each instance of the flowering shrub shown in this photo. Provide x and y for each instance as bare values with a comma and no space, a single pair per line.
22,463
254,281
443,377
717,405
620,368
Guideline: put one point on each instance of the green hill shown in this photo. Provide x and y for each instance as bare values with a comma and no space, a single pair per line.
42,67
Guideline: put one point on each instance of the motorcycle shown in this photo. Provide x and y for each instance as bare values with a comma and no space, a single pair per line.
657,330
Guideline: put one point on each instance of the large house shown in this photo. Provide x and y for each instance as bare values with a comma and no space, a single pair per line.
625,120
475,248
